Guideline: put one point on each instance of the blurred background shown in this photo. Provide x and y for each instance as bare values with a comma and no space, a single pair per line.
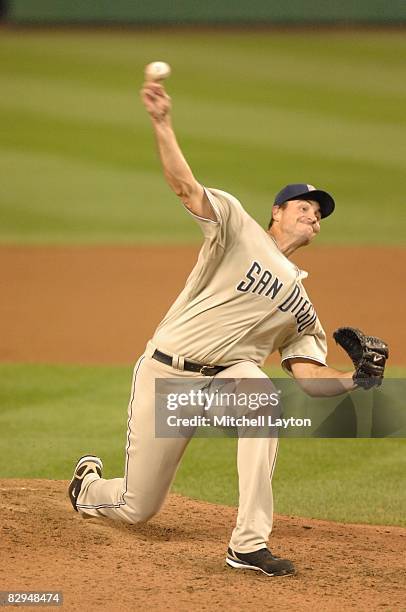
320,101
211,11
94,247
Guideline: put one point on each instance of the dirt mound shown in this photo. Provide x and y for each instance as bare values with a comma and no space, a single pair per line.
176,562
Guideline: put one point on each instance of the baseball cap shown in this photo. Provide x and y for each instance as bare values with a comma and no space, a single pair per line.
298,191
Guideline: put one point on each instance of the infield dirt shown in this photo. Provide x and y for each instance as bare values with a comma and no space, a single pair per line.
101,304
176,561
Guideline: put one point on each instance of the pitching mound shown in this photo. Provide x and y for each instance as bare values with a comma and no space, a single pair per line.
176,562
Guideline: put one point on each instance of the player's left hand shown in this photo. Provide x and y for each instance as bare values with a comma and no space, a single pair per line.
368,354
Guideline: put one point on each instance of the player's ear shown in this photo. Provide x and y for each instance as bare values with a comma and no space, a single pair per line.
276,213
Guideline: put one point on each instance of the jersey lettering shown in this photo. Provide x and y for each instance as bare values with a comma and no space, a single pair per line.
263,278
291,301
264,283
307,323
274,288
300,307
255,268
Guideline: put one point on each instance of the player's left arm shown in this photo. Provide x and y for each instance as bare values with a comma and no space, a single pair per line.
318,380
368,355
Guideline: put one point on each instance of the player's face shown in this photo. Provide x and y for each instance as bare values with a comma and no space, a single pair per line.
301,219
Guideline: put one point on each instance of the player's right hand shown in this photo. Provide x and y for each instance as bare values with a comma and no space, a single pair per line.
156,100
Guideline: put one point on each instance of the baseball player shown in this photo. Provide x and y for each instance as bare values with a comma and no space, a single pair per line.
243,300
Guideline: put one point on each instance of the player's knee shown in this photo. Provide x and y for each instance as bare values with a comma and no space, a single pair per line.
138,512
147,513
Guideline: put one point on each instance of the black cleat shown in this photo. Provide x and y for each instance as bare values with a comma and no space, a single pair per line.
262,561
86,465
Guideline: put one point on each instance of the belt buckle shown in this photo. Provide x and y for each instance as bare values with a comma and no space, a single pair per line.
203,370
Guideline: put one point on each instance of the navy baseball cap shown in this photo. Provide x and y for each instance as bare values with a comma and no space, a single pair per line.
299,191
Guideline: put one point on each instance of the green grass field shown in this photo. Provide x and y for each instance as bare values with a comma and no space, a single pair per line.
253,111
50,415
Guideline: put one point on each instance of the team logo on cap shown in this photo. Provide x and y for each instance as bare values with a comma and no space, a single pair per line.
311,188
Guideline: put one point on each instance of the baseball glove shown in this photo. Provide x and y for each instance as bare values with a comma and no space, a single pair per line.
368,354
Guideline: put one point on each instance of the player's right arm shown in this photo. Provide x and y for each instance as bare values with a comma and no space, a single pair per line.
177,171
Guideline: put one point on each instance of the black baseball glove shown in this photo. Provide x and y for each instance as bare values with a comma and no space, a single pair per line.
368,354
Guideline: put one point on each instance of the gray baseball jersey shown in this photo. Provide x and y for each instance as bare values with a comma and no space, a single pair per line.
243,300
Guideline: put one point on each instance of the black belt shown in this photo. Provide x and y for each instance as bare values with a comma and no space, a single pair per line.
190,366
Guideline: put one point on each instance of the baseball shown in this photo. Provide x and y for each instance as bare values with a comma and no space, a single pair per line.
157,71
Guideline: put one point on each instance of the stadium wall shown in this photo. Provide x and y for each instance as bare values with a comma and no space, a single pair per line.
207,12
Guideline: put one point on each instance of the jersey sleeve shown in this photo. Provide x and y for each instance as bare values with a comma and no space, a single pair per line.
229,214
312,346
